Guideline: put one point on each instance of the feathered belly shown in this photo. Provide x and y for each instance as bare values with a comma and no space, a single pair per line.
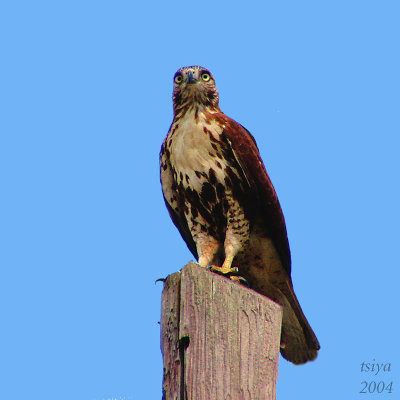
210,184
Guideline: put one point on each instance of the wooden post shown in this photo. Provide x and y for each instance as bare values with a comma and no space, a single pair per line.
219,339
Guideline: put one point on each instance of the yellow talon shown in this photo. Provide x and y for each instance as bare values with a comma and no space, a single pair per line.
224,270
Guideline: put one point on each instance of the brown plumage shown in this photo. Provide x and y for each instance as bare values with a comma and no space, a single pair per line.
220,198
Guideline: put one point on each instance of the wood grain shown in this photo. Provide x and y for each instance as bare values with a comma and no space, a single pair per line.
170,349
226,339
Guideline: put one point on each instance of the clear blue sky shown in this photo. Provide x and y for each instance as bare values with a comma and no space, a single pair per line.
85,93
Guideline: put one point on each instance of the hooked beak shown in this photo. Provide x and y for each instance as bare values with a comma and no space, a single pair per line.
190,77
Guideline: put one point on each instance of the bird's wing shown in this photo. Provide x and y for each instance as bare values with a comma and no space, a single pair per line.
173,200
247,155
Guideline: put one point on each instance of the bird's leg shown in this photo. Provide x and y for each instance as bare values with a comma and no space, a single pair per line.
207,248
230,271
226,266
205,259
206,245
237,235
227,269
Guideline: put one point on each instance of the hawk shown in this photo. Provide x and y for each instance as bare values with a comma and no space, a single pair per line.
222,201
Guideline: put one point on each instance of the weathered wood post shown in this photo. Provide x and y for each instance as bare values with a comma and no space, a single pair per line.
219,339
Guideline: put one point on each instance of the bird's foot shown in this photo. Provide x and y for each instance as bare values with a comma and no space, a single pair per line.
231,273
224,270
239,279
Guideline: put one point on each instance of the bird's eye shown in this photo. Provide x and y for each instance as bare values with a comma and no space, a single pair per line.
205,76
178,79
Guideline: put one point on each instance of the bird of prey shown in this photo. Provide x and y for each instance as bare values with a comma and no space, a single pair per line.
222,201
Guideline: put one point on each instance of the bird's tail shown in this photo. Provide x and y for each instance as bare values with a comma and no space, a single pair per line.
298,341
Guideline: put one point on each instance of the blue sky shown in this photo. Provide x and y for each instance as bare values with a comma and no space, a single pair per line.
85,95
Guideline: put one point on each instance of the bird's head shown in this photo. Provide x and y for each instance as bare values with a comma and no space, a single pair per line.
194,86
